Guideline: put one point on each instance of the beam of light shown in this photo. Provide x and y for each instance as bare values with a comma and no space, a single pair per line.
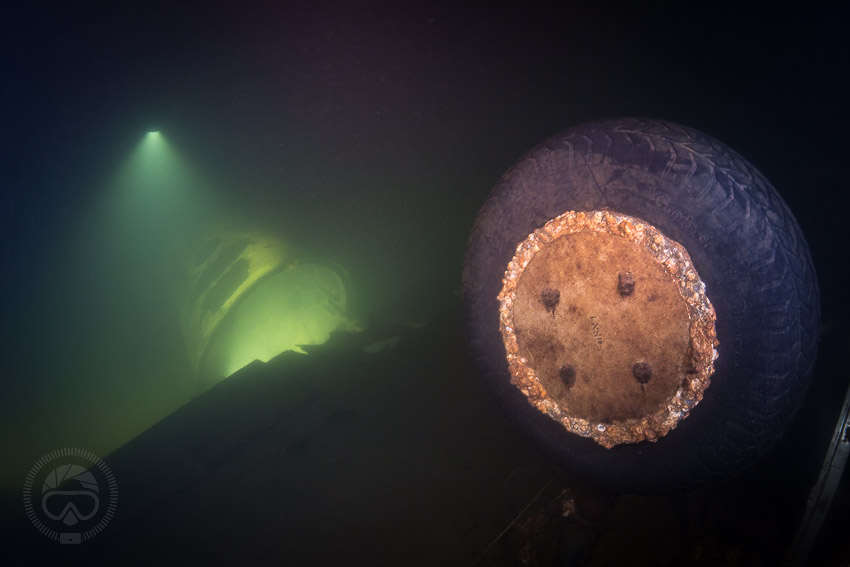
116,349
153,141
156,194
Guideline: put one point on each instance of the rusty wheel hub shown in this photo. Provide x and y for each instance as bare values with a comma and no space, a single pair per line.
607,327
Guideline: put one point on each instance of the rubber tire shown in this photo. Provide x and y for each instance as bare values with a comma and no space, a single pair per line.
746,246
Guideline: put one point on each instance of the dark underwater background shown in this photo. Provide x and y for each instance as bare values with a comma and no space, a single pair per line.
369,133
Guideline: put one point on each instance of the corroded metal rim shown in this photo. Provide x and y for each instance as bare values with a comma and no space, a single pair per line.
676,262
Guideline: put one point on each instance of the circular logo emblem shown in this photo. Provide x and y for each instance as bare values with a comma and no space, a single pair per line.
70,495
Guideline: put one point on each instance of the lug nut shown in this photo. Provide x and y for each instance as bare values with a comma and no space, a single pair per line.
625,283
568,375
550,298
642,371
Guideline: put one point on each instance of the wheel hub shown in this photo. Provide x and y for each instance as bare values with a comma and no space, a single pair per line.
607,327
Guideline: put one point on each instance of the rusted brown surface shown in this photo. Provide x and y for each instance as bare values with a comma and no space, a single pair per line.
599,332
627,349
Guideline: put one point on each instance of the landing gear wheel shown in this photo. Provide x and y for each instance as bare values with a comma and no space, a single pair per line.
643,304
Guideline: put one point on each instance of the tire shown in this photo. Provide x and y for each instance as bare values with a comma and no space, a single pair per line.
744,243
